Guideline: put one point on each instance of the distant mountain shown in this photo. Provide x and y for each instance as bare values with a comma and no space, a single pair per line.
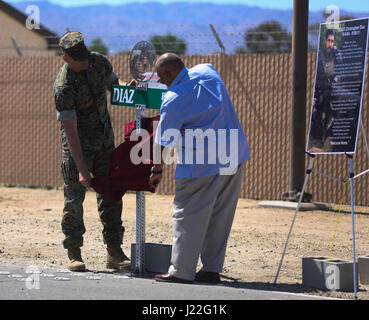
120,27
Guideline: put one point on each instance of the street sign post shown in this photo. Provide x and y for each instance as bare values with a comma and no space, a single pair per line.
147,94
131,96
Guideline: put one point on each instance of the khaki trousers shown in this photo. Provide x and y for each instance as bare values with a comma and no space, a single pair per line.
203,214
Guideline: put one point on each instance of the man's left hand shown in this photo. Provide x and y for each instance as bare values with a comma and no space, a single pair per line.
131,83
155,179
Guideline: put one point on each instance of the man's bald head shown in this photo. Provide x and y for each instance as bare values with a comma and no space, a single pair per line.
168,66
170,61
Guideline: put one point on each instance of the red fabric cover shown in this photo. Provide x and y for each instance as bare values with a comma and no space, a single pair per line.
124,175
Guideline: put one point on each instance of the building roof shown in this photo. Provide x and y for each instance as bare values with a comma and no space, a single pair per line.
51,37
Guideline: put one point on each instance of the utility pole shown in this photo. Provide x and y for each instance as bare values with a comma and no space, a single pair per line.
298,110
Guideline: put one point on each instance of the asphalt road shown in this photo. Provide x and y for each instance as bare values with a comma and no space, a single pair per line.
34,283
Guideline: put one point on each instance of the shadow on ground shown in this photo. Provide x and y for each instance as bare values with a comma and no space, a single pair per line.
280,287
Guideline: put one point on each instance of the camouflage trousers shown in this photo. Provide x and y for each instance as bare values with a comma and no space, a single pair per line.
74,194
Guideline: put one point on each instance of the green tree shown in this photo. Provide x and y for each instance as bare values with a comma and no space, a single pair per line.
126,52
99,46
168,43
267,37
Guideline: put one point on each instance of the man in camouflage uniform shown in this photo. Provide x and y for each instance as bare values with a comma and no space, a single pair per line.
87,141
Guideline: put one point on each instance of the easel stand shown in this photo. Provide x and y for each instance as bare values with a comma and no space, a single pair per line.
351,180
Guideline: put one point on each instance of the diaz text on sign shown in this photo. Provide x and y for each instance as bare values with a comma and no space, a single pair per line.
123,95
129,96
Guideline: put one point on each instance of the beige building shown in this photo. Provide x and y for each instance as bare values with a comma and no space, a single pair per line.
18,40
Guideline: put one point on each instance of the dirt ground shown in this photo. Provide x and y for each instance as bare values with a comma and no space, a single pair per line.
30,234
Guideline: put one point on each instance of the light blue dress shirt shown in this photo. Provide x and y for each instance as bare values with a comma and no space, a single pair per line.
197,117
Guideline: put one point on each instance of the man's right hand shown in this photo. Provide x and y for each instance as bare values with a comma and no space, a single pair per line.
85,178
70,127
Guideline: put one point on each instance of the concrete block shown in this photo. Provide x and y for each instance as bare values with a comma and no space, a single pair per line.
157,257
363,267
328,274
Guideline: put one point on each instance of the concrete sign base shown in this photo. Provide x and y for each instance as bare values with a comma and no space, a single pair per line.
157,257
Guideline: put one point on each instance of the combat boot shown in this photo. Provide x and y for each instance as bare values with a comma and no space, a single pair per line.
116,259
76,262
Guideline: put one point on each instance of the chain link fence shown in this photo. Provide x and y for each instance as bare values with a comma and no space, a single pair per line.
259,86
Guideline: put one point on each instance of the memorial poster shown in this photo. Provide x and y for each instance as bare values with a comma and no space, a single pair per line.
338,89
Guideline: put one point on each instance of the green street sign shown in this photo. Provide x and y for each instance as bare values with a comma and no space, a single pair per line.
130,97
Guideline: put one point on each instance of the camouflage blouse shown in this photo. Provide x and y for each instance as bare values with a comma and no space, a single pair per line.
82,96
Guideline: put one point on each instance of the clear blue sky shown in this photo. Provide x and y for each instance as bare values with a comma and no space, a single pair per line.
315,5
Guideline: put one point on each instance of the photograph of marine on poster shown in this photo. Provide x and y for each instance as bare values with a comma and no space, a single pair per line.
339,82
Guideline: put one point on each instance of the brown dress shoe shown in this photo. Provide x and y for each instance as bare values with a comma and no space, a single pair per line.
169,278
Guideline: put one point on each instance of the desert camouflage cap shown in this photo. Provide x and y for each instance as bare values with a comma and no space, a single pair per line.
72,43
70,39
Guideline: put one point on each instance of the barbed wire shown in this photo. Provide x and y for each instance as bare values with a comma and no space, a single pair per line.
161,26
160,43
200,41
210,35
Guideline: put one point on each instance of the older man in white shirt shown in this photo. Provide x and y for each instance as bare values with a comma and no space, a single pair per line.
197,117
